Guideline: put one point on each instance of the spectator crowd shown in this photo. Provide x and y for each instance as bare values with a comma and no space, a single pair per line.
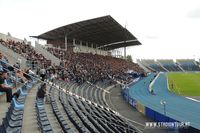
11,76
78,67
83,67
27,51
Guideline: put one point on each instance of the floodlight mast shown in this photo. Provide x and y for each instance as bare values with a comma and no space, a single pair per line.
162,102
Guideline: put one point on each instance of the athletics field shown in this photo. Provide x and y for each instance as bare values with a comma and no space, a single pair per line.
186,84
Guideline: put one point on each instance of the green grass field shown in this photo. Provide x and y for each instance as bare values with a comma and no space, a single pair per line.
186,84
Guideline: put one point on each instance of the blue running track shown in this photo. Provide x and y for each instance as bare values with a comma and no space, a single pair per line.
177,107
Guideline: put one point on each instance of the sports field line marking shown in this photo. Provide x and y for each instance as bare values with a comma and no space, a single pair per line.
168,83
179,91
176,87
193,99
169,87
150,88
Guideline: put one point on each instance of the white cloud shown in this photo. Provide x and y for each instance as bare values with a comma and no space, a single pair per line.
194,13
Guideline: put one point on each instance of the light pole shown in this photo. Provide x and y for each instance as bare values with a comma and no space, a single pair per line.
162,102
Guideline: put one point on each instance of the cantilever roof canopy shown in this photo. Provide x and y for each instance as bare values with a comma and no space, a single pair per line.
103,31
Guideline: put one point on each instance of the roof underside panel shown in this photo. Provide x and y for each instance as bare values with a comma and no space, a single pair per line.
102,31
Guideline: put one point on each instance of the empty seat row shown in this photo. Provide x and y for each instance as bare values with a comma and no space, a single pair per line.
88,116
73,117
14,116
87,91
57,113
83,118
91,117
42,119
13,119
108,120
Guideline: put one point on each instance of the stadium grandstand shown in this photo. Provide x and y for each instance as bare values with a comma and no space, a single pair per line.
74,81
188,64
169,65
80,82
152,65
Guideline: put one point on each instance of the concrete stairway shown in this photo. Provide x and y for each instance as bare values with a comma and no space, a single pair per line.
3,108
52,119
29,118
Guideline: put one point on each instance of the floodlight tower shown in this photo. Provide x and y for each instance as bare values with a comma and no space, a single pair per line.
162,102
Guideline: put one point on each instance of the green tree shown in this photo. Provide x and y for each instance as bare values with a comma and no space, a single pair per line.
129,58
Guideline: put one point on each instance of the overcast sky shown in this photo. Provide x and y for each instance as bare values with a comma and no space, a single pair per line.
166,28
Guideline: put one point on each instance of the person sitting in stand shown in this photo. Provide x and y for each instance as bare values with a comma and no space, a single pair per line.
20,74
4,87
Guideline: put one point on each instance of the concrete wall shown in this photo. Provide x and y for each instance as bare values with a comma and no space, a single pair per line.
142,66
6,37
85,49
39,48
8,52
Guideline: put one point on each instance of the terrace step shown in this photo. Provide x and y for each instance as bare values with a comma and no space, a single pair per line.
30,119
52,119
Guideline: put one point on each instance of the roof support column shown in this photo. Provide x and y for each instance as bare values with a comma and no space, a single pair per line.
106,51
74,41
100,52
95,48
65,42
73,45
80,46
125,53
92,49
87,48
81,43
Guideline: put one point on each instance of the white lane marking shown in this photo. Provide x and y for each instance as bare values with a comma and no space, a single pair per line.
193,99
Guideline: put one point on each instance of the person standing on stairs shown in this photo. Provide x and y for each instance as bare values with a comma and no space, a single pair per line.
43,73
42,91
